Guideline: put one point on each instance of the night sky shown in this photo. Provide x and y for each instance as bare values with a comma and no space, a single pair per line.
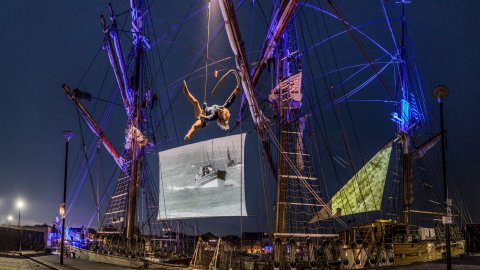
44,44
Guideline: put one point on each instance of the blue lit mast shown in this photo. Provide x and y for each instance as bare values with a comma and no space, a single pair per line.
403,128
135,117
406,125
131,95
287,97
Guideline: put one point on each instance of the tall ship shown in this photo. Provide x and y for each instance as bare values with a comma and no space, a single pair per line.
322,86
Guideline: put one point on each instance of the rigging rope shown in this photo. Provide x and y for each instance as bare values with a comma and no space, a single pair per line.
206,55
195,62
321,124
90,65
338,118
241,181
215,88
85,154
162,70
80,177
346,143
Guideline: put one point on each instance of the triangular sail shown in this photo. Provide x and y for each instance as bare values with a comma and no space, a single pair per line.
363,192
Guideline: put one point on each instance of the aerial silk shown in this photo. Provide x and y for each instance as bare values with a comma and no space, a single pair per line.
363,192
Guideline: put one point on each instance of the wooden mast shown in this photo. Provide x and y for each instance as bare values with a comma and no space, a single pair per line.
281,72
135,119
96,129
406,177
279,22
276,28
131,95
249,80
405,129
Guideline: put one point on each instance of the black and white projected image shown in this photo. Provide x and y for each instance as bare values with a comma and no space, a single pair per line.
203,179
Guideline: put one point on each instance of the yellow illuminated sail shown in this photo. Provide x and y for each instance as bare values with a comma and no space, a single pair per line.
363,192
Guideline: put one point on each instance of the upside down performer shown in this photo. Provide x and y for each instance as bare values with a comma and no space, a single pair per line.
205,114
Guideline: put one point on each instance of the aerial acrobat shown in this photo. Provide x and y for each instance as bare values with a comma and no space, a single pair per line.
211,113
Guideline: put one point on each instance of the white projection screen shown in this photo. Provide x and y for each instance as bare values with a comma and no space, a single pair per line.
203,179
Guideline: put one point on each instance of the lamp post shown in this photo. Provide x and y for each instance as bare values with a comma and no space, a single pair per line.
19,206
10,218
68,135
440,92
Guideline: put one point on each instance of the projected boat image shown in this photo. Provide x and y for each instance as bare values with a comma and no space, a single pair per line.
209,176
206,188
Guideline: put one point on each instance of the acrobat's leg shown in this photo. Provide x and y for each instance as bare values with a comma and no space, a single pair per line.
195,126
196,106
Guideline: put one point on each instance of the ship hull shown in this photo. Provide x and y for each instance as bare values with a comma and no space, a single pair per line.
401,254
408,253
215,182
215,179
363,257
384,244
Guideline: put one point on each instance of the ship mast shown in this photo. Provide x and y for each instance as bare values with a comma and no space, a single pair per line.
282,71
249,80
135,118
130,163
406,124
404,129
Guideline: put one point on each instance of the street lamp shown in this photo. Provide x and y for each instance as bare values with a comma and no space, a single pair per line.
19,206
68,135
440,92
10,218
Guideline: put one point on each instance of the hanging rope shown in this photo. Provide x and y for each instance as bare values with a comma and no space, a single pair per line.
241,182
214,91
206,55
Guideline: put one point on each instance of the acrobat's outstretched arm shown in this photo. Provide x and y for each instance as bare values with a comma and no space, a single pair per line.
231,98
